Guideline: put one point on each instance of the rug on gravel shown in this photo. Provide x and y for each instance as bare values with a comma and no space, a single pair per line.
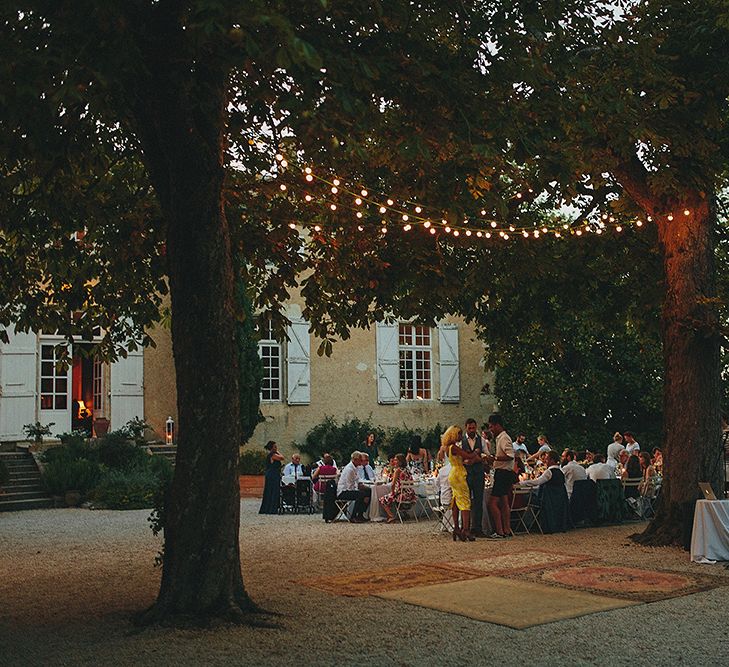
628,583
372,583
515,604
521,561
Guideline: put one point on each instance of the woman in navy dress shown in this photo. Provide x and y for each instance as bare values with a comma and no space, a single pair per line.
272,487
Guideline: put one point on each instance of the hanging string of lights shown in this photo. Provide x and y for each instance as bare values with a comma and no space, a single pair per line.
361,202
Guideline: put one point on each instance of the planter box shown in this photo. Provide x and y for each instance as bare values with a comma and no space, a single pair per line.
251,486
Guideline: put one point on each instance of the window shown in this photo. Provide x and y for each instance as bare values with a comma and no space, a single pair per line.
54,382
415,351
269,350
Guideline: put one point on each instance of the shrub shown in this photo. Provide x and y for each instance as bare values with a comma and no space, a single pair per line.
64,474
36,431
127,489
252,462
134,430
4,473
119,453
340,440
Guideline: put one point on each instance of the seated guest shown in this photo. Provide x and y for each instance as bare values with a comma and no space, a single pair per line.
623,458
553,475
632,470
350,487
417,455
321,461
572,470
295,469
599,469
326,469
365,470
648,472
657,460
400,475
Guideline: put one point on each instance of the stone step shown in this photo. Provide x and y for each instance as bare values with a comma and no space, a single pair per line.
32,504
25,479
163,449
7,457
29,472
11,495
12,487
24,467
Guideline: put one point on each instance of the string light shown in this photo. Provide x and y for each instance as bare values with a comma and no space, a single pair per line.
358,201
686,212
670,217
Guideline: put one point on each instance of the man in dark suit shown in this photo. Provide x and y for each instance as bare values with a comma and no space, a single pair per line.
474,476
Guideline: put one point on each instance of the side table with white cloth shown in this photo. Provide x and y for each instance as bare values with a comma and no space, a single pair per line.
710,536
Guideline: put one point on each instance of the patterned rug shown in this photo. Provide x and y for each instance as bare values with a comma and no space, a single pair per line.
516,604
372,583
626,583
522,561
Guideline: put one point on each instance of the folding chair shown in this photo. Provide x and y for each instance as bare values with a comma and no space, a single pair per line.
524,510
401,505
632,494
430,497
648,496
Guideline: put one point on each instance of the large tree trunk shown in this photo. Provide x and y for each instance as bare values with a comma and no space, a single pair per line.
692,451
181,130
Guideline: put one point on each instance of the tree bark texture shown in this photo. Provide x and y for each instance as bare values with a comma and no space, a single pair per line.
691,350
183,148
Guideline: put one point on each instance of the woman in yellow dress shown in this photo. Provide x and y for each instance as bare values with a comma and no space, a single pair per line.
461,503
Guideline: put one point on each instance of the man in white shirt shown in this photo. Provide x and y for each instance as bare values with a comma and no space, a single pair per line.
600,469
350,487
504,478
519,445
294,469
630,443
366,473
572,470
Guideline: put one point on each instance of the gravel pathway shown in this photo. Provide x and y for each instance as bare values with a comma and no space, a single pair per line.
70,579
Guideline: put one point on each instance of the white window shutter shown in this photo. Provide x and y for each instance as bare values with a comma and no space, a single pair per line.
18,384
388,364
127,389
298,364
450,377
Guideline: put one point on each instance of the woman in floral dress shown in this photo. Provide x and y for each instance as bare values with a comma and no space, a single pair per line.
399,475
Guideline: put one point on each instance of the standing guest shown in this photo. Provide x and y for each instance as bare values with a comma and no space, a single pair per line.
365,470
572,470
630,443
369,447
461,502
401,474
504,478
614,449
472,443
543,447
599,469
519,446
444,487
657,460
417,456
648,472
349,487
272,486
295,469
326,469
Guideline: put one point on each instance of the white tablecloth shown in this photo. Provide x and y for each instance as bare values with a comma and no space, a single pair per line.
380,490
710,537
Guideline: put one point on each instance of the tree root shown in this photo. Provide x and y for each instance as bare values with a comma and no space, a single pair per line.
231,613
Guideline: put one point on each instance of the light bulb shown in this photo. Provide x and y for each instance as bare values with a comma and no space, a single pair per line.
364,193
493,224
309,178
308,197
333,207
405,217
358,201
283,187
418,209
382,209
336,181
390,202
359,214
426,224
334,189
407,228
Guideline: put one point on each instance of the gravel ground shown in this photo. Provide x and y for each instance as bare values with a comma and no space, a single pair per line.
70,579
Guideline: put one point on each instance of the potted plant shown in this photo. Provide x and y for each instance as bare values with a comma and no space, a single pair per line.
101,426
37,431
251,468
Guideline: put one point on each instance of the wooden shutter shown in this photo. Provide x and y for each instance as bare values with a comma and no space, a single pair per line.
450,377
127,389
388,364
298,363
18,376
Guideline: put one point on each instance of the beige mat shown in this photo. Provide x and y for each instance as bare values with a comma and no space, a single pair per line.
516,604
